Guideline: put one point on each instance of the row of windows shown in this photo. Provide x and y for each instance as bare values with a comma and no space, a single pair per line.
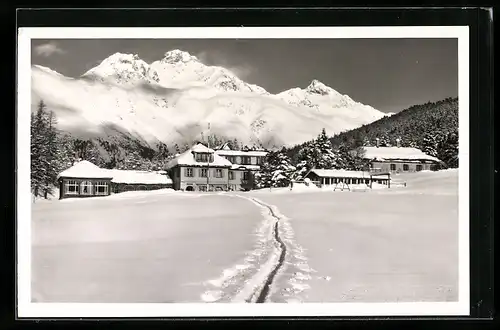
406,167
205,158
86,188
244,160
203,172
345,180
217,173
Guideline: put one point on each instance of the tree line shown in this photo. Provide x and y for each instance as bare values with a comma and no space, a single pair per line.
431,127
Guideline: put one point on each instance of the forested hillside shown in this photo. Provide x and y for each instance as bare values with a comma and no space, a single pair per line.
432,127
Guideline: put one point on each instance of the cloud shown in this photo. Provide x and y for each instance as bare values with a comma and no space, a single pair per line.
48,49
217,58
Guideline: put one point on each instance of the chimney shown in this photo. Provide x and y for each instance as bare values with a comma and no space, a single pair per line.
377,140
398,142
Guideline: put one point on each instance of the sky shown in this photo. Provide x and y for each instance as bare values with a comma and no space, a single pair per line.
388,74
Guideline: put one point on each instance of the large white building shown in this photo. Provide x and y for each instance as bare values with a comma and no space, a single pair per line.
201,168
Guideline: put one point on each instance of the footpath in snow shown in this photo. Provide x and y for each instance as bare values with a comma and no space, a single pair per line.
275,257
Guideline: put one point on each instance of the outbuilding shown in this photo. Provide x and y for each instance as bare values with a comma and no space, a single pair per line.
333,177
85,179
399,159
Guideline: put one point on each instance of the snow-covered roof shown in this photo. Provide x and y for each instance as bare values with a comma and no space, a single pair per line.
201,149
340,173
85,169
396,153
225,152
245,167
187,159
144,177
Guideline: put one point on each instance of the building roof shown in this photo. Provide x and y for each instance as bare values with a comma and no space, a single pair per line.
202,149
340,173
396,153
229,152
245,167
187,159
85,169
137,177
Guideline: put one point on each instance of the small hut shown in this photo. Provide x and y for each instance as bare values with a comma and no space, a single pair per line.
84,179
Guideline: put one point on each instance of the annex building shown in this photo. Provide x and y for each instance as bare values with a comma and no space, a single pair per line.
85,179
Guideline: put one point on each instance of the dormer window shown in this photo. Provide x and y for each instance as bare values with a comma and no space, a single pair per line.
203,157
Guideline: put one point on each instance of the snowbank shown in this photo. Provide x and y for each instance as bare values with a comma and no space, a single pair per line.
129,194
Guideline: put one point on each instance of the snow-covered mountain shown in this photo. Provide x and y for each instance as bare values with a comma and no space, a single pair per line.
179,69
326,101
173,99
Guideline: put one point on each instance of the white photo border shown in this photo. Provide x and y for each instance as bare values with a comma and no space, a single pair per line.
28,309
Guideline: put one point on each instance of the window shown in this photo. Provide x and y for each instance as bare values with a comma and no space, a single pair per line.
405,167
86,188
232,159
204,172
393,167
259,160
231,175
188,172
245,176
419,168
218,173
245,160
203,157
71,187
101,188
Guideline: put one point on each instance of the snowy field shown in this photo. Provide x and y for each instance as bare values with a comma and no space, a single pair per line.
384,245
398,244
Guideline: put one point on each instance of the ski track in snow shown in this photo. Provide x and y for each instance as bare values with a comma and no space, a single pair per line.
245,281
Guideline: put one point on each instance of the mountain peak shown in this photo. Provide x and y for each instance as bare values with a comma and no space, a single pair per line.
177,55
124,67
317,87
122,57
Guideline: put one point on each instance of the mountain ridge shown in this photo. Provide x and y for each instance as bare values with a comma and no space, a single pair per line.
171,100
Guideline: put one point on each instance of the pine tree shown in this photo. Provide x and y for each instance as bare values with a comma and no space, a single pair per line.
38,150
448,149
276,171
44,151
307,160
235,144
326,157
52,154
317,153
430,145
